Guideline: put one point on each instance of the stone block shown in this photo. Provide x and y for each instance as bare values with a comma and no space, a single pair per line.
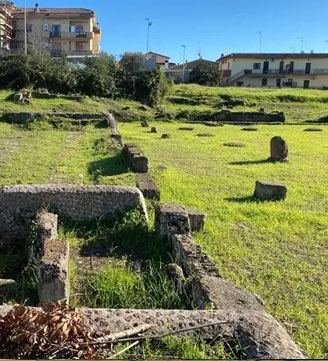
148,187
196,218
138,160
278,150
6,282
270,191
54,272
169,216
45,230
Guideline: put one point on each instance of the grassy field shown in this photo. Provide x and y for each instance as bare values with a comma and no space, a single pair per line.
276,249
60,156
298,105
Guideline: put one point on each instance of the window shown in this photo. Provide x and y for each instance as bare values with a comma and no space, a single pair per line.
256,66
29,28
278,83
79,29
264,82
306,84
46,27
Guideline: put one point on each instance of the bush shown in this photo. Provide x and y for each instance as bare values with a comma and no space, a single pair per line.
206,73
98,76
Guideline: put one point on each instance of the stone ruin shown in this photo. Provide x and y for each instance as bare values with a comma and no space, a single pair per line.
240,315
278,150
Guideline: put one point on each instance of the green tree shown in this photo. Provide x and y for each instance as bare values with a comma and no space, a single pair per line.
206,73
132,62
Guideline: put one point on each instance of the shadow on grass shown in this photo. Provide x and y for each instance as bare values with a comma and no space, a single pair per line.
248,199
250,162
125,236
115,165
322,120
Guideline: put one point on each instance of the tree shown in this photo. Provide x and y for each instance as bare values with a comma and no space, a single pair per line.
98,76
132,62
206,73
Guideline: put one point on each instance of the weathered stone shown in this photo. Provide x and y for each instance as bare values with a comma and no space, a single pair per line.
175,273
144,124
235,145
54,272
148,187
166,136
258,334
144,108
186,128
205,135
138,160
278,149
20,204
166,213
197,219
45,230
270,191
153,130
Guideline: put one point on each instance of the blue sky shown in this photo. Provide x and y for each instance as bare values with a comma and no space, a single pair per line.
209,26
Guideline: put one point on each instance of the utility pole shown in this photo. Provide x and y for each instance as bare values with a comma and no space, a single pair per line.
25,28
184,61
149,24
261,35
302,42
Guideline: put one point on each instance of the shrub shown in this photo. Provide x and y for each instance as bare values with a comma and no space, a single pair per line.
206,73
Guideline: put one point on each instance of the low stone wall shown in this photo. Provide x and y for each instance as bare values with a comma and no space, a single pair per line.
137,158
20,204
25,117
256,328
261,337
225,116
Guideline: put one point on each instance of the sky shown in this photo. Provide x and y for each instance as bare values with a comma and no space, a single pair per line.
208,27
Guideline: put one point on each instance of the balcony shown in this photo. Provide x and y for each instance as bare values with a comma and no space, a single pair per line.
70,35
282,73
70,53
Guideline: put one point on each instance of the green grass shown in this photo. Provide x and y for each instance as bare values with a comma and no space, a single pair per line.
131,273
183,348
299,105
283,255
60,157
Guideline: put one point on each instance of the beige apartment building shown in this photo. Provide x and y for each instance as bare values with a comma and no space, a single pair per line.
73,32
275,70
6,25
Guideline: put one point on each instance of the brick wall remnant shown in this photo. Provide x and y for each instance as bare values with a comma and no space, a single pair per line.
137,158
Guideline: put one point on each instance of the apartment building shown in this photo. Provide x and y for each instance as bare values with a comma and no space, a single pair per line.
275,70
70,31
6,25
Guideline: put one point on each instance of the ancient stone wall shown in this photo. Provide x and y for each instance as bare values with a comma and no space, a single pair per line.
20,204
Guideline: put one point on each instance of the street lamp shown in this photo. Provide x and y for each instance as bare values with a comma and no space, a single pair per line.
184,60
149,24
25,28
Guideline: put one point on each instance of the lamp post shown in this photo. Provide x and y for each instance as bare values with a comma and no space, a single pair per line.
25,28
260,35
149,24
183,65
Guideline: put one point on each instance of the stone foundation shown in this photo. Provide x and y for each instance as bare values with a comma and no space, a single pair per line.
267,191
20,204
148,187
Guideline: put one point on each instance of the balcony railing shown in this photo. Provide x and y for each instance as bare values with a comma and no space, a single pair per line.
70,35
285,72
61,53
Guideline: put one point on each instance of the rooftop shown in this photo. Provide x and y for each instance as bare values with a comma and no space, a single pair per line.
192,64
274,55
60,12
